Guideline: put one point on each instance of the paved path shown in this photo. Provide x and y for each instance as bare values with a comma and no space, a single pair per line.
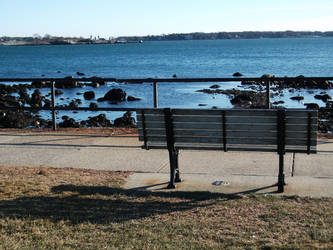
242,171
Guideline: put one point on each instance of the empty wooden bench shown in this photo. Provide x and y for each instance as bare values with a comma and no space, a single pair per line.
279,130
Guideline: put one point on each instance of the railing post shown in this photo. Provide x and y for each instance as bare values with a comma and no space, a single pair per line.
54,118
268,97
155,95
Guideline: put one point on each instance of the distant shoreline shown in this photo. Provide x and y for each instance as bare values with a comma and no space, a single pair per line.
38,41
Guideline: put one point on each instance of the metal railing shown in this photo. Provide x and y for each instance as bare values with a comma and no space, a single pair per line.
155,81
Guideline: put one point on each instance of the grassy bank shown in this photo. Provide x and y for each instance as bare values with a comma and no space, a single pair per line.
87,209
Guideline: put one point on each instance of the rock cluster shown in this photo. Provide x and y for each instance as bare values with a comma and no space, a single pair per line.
299,83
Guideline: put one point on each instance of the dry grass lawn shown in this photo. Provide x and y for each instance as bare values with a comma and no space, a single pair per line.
49,208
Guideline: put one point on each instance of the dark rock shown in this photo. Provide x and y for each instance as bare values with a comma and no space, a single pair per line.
278,102
95,84
211,91
80,74
73,105
324,98
93,105
67,83
62,99
9,101
298,83
98,121
19,119
78,101
267,76
101,99
125,121
311,105
58,92
174,76
297,98
69,123
215,86
89,95
202,104
47,103
79,93
241,98
36,99
97,81
65,117
237,74
132,98
115,95
40,84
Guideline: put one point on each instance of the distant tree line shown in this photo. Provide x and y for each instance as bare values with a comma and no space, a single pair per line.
177,36
230,35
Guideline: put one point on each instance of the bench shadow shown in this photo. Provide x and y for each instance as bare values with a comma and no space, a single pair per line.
103,205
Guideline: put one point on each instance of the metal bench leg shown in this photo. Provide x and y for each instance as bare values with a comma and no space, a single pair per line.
172,157
177,178
281,181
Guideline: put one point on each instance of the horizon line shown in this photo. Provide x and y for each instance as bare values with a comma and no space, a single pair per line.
184,33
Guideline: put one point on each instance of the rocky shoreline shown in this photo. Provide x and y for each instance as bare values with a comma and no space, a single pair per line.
254,96
17,97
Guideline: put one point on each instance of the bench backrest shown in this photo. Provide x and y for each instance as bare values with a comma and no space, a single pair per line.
271,130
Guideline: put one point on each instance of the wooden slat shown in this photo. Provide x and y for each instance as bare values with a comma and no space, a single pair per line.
236,148
229,119
298,120
218,119
240,141
230,127
149,118
219,133
151,111
152,125
152,131
231,112
243,112
217,126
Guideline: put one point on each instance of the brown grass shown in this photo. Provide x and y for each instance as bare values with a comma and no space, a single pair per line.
49,208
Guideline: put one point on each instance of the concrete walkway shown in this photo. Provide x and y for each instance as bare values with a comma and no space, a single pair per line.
231,172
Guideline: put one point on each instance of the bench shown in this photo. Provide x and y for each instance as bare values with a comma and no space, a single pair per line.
264,130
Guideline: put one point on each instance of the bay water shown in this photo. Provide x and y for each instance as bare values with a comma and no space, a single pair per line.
186,59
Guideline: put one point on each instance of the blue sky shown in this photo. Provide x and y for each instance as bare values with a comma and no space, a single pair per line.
152,17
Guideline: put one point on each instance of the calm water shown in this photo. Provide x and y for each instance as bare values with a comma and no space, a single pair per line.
219,58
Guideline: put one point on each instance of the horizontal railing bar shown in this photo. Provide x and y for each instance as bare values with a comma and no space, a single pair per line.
169,80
